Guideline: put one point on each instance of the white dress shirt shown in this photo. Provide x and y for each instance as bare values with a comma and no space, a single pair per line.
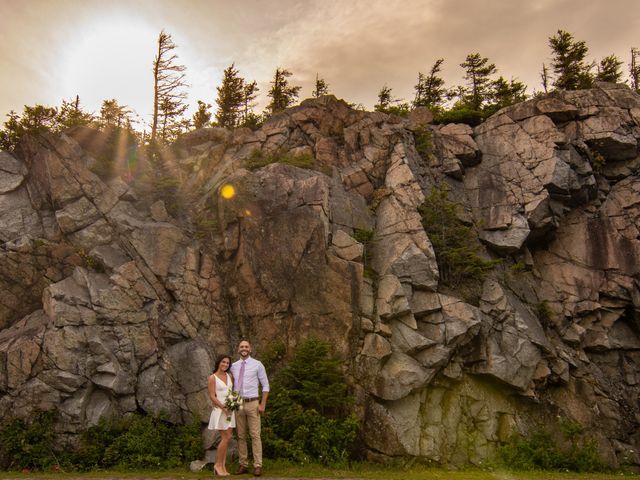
254,375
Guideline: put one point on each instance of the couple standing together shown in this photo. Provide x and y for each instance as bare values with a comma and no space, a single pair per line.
244,377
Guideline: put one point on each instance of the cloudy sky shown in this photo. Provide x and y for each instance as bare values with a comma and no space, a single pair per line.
50,50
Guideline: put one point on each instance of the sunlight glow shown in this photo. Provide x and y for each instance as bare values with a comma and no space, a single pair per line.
110,57
228,191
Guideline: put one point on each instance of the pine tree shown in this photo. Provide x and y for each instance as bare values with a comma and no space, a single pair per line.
609,69
250,92
169,96
385,99
322,88
430,89
231,98
34,120
478,70
114,115
71,114
282,94
634,69
544,76
505,93
202,117
572,73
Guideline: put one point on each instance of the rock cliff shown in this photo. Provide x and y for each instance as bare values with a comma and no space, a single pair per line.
109,304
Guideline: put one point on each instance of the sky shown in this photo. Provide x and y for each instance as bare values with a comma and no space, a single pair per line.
54,50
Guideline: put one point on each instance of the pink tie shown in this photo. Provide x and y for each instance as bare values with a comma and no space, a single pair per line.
241,377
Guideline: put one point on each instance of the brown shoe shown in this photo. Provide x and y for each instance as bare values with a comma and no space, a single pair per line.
257,471
242,470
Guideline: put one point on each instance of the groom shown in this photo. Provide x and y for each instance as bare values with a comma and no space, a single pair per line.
248,373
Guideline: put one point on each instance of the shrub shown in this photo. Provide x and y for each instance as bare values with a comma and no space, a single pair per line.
544,312
28,444
455,244
539,451
258,159
459,114
134,442
309,417
139,442
423,140
366,238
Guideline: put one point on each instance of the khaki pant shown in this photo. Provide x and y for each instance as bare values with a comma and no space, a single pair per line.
249,417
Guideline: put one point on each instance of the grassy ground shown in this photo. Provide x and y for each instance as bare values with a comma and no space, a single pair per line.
278,470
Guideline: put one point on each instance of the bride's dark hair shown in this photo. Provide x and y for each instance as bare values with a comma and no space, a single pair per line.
219,360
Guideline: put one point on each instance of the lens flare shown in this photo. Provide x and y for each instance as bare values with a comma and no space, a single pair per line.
228,191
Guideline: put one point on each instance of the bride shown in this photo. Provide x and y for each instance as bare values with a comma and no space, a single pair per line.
220,384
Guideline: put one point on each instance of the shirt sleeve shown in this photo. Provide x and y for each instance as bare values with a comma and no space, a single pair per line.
262,377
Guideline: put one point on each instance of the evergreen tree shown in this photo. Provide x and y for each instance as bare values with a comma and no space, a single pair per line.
231,98
281,93
634,69
572,73
70,114
202,117
114,115
388,104
34,120
250,92
478,70
609,69
430,89
505,93
169,96
544,76
385,99
322,88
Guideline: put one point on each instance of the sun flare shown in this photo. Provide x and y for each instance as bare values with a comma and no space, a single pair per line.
228,191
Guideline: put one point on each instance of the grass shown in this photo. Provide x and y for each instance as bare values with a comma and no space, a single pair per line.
279,469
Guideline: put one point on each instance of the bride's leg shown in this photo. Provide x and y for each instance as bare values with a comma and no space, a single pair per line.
221,454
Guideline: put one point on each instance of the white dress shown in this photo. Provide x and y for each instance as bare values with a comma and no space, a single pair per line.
218,419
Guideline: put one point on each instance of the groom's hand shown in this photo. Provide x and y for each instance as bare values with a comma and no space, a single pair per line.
261,408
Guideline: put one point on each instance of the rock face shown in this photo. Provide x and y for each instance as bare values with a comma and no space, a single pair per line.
110,305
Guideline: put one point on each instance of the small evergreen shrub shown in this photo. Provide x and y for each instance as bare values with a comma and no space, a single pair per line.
544,312
459,114
91,262
366,238
258,159
139,442
133,442
455,244
540,452
423,140
309,419
28,444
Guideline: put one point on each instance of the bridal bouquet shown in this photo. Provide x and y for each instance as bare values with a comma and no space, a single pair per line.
233,402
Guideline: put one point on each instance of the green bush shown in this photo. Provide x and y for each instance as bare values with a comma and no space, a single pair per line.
139,442
459,114
423,140
258,159
366,238
455,244
309,417
28,444
540,452
133,442
544,312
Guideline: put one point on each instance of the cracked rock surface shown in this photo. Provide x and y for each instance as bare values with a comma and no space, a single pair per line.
109,304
